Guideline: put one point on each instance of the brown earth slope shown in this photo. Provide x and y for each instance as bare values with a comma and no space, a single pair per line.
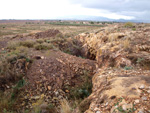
118,60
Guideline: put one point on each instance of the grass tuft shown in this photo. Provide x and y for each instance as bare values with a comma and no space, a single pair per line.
65,107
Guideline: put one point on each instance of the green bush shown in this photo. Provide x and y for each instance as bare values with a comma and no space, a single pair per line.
134,29
43,46
40,41
84,90
129,24
13,45
27,43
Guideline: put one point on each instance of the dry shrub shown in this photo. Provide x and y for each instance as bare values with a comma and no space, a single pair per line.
65,107
126,43
4,102
43,46
13,45
27,43
40,41
128,24
112,37
14,64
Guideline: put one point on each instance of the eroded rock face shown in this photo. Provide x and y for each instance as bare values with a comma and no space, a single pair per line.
122,79
119,90
111,47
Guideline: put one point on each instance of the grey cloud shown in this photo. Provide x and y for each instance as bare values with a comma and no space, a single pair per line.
116,5
137,8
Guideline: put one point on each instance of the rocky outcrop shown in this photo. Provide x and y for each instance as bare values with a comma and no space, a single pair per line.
122,79
118,90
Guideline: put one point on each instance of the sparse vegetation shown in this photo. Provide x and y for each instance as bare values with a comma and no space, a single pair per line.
27,43
65,107
78,94
134,29
40,41
13,45
126,43
43,46
129,24
120,109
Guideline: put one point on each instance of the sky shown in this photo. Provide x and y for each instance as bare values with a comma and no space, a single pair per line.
55,9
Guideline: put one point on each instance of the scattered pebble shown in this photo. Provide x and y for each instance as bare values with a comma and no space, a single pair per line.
137,101
142,86
49,87
98,112
148,91
141,111
144,98
126,106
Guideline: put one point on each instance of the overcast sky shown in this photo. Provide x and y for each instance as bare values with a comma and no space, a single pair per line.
54,9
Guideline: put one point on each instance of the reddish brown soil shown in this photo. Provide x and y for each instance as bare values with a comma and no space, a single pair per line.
59,69
48,33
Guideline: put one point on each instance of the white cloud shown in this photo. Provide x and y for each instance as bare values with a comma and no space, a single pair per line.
52,9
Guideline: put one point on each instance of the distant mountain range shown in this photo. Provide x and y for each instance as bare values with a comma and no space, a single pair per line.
99,18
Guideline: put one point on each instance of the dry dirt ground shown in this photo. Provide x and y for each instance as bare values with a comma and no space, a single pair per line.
104,71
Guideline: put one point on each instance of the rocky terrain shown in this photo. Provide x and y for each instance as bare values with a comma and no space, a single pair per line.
103,71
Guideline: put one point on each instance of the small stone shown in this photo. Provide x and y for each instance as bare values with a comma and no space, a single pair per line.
35,97
49,87
97,112
137,101
56,93
106,104
141,111
42,57
126,106
144,98
142,86
67,91
148,91
7,86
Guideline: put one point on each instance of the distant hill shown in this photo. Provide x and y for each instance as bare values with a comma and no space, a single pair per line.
99,18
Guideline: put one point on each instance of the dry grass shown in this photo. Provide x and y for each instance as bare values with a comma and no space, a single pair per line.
13,45
43,46
65,107
128,24
40,41
27,43
113,37
4,102
20,28
126,43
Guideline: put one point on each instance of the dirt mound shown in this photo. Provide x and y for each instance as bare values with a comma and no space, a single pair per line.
59,67
48,33
54,75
